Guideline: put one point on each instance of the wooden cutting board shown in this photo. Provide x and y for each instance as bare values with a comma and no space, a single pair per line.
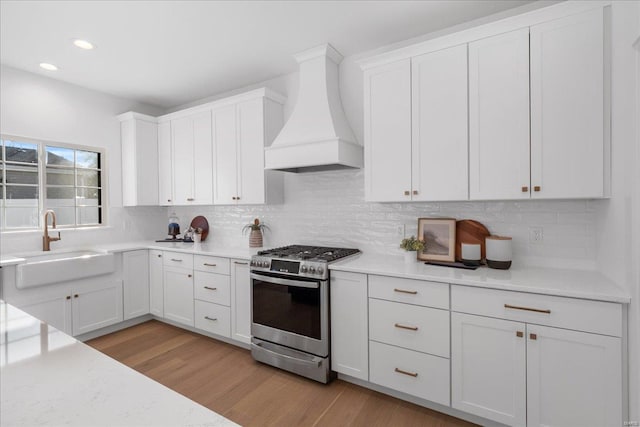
470,231
201,222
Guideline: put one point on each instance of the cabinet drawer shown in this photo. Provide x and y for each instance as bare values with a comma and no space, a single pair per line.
213,318
417,374
562,312
419,292
212,264
178,259
212,287
416,328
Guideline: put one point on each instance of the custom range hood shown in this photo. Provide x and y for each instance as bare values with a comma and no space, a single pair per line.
317,136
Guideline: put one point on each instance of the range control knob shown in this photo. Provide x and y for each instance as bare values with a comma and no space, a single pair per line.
265,264
312,269
303,269
319,270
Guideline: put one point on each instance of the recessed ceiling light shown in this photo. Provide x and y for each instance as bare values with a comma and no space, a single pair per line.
48,67
83,44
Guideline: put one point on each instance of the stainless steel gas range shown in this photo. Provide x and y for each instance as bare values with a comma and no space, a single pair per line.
290,308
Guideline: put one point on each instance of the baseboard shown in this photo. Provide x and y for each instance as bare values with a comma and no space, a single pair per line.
113,328
421,402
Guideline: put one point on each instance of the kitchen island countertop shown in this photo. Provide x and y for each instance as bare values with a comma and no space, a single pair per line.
49,378
584,284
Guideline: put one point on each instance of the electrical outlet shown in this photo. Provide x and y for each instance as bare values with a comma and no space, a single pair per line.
536,235
400,230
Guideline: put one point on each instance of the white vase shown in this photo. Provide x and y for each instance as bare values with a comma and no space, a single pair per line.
410,256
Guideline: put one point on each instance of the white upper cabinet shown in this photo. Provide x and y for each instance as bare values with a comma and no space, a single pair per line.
165,164
241,131
567,107
139,139
191,139
499,116
387,132
439,146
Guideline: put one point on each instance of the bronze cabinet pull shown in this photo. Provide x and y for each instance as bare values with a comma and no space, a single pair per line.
536,188
210,265
533,336
189,275
234,198
159,256
407,193
190,199
411,374
68,296
210,318
415,192
76,295
525,189
210,288
240,263
410,328
519,334
536,310
403,291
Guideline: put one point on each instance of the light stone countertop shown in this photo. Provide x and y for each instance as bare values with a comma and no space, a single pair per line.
584,284
49,378
590,285
211,249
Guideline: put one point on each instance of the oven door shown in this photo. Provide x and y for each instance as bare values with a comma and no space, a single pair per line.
291,312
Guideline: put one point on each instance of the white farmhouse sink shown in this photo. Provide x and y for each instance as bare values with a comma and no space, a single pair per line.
47,268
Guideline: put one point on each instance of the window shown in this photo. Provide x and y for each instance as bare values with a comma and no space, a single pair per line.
36,176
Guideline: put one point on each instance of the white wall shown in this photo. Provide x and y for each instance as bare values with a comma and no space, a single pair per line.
38,107
618,219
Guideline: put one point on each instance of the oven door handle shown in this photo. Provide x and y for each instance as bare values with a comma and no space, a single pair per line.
285,282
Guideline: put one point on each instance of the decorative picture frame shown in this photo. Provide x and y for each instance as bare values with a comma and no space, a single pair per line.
439,237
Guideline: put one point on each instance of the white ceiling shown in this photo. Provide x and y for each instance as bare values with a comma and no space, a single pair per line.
167,53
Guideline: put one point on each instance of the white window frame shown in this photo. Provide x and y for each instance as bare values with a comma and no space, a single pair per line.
42,183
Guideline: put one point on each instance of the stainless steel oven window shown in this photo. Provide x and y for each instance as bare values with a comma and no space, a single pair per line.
290,312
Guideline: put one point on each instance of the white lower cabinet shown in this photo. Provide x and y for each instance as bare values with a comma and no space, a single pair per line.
240,301
135,275
96,306
409,340
418,374
488,376
214,318
522,373
156,288
573,378
178,295
53,308
349,324
77,309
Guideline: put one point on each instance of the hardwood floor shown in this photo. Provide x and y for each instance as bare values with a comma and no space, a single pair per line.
226,379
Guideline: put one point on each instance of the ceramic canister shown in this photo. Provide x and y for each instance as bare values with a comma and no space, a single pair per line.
471,254
498,252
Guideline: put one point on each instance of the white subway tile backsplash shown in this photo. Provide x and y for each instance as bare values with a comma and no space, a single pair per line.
328,208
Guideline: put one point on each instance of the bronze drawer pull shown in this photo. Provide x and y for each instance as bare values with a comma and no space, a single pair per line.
411,374
210,318
537,310
190,199
176,260
403,291
210,265
240,263
210,288
411,328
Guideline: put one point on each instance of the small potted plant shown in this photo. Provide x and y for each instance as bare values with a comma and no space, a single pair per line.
411,246
255,237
